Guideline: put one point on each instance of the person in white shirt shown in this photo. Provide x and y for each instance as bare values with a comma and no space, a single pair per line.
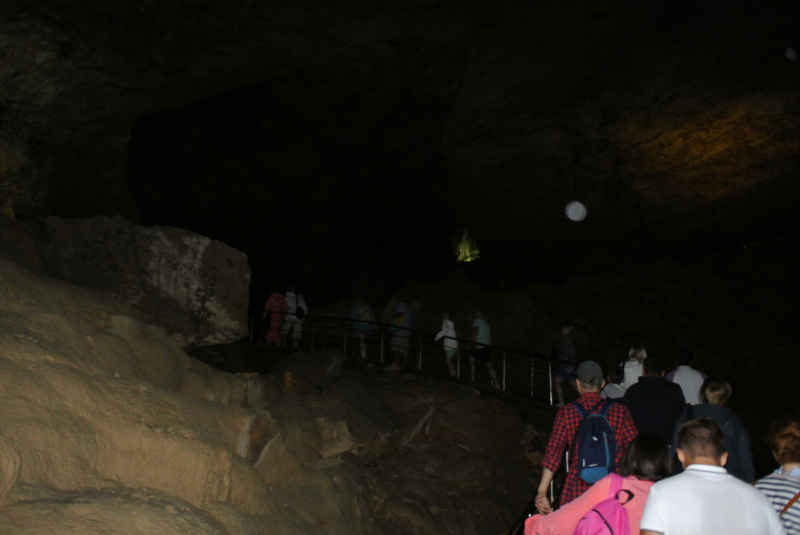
690,379
614,388
448,332
705,499
633,366
293,322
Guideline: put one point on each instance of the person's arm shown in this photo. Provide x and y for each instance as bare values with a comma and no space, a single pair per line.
568,515
440,333
542,501
648,532
559,436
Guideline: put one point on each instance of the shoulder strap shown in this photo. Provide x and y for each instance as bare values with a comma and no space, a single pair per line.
606,407
581,410
790,503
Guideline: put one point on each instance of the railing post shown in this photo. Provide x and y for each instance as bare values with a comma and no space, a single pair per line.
382,333
533,360
550,373
504,370
419,363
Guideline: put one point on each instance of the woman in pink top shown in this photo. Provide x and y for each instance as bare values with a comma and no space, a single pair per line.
276,307
646,461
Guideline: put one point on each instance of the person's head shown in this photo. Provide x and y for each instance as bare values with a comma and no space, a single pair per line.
615,375
638,353
647,458
479,312
653,366
566,329
716,391
683,357
784,439
289,288
700,441
590,377
445,316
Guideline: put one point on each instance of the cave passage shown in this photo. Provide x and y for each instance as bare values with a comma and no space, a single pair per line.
320,189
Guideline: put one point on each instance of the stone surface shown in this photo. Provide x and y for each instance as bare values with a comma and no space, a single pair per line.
195,287
108,427
677,128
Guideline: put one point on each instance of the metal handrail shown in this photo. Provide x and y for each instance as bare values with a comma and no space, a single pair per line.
523,375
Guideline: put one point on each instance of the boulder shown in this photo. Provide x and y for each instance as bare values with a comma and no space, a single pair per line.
195,287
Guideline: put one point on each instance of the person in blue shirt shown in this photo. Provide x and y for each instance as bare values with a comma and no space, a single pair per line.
480,341
363,317
401,330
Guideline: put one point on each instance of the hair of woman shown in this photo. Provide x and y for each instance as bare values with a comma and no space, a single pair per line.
647,458
716,391
638,353
784,439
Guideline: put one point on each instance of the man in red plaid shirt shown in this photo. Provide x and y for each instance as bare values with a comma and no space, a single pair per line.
590,383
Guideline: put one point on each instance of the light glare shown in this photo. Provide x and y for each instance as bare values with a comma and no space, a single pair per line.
576,211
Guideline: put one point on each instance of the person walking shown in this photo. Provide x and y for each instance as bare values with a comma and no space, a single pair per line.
645,462
480,340
705,499
689,379
632,368
363,317
782,487
655,403
714,396
274,310
448,332
567,362
589,383
401,328
296,312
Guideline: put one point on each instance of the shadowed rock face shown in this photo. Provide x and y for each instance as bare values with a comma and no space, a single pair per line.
676,124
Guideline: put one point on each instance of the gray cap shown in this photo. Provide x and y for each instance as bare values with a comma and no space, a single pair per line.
590,373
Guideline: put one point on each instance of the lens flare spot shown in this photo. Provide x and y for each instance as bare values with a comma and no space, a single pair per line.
576,211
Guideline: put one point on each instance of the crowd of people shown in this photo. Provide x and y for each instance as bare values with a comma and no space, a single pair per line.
647,452
660,453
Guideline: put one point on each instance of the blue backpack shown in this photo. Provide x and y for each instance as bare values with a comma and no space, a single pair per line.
596,444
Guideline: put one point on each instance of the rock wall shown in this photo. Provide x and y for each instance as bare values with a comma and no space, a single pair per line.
109,427
195,287
90,403
675,126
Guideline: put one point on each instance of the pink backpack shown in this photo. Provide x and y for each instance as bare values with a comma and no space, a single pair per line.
607,517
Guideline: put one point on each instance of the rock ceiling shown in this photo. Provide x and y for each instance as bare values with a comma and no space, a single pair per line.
676,123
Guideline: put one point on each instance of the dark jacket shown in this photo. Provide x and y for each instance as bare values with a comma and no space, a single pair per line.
737,439
656,404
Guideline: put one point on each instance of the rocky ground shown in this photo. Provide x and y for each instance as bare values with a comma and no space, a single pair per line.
430,456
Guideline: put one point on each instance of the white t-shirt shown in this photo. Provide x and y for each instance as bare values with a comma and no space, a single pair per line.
706,500
633,370
690,381
612,391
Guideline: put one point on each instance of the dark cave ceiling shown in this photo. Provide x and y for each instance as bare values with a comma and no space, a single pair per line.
675,123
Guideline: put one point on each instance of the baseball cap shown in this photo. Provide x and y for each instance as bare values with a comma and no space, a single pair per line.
590,372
